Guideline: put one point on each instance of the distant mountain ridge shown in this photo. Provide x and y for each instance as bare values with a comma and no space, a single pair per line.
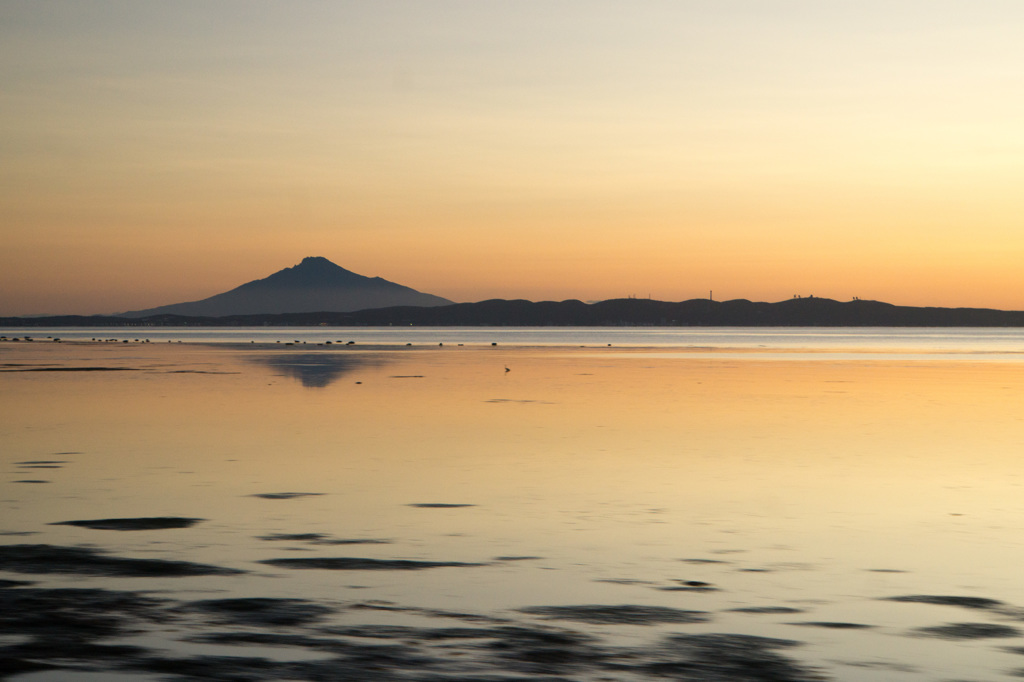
802,312
700,312
314,285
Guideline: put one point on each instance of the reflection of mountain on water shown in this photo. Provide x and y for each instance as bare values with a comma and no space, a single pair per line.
317,370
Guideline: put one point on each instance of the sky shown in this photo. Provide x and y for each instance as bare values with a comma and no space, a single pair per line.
160,152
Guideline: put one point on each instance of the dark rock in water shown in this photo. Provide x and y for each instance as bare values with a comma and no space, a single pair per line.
63,629
149,523
485,651
260,611
86,561
229,668
377,605
689,586
438,505
965,602
725,658
386,663
542,651
766,609
10,664
82,653
508,653
834,625
627,614
361,564
353,660
73,614
282,639
407,632
283,496
321,539
293,537
624,581
968,631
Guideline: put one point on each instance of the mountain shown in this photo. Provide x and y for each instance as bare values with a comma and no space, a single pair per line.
802,312
799,312
314,285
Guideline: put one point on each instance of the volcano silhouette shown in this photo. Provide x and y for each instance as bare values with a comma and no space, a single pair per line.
314,285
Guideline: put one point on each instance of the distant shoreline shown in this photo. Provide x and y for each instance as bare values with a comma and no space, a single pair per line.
796,312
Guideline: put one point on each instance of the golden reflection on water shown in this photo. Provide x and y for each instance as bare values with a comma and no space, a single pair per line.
804,475
439,423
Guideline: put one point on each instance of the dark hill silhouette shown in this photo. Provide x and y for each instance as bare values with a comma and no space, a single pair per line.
314,285
802,312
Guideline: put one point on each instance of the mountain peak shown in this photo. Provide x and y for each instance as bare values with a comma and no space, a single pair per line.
316,260
315,284
313,271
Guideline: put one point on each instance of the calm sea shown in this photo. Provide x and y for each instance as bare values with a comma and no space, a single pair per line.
568,504
857,339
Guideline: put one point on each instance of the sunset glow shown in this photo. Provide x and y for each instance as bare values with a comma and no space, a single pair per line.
155,153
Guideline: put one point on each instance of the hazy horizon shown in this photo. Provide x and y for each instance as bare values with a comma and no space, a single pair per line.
637,296
625,296
157,153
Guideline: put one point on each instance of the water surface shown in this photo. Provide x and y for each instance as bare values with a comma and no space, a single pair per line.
780,506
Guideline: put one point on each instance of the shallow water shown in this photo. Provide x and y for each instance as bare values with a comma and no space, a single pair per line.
906,340
592,513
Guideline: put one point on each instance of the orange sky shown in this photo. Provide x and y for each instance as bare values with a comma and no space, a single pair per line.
154,153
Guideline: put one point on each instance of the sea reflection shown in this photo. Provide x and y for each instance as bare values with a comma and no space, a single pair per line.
318,369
